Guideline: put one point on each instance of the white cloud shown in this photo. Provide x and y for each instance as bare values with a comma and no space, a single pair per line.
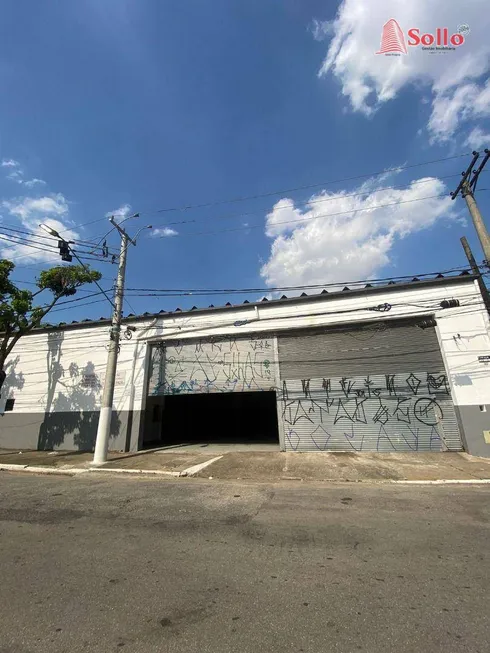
40,247
122,212
30,183
27,207
453,78
166,232
355,243
10,163
468,102
16,175
477,138
321,29
31,242
31,212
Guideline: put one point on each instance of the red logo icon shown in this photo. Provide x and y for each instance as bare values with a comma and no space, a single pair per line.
392,38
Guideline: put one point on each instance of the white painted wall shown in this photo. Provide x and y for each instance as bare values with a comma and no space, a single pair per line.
83,348
463,331
61,361
464,336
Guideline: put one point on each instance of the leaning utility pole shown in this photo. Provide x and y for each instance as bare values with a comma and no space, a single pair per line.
467,187
104,426
476,271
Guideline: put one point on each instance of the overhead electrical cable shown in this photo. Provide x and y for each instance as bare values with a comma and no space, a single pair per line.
43,236
310,219
305,187
331,198
304,286
53,250
286,190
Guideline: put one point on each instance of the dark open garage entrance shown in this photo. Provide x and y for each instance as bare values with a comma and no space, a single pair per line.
216,418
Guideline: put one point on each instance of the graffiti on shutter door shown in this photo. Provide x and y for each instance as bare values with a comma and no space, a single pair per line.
394,412
215,364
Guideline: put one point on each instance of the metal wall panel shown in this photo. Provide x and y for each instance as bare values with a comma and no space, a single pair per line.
223,364
380,388
374,349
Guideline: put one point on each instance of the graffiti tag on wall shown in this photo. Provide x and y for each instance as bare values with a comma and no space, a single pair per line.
383,412
213,365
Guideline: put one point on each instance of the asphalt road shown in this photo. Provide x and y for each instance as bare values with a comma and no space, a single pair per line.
111,564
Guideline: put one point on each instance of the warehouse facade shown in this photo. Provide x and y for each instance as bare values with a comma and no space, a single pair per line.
396,367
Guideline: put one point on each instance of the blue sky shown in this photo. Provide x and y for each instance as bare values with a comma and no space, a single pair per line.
159,104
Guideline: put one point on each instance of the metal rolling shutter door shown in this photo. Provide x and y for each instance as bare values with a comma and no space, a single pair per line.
376,388
224,364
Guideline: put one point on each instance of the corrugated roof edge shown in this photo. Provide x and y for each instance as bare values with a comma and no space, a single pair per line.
300,299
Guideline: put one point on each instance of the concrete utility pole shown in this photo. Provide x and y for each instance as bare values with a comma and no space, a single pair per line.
104,426
467,187
476,216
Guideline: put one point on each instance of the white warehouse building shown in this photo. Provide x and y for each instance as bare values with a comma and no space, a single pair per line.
394,367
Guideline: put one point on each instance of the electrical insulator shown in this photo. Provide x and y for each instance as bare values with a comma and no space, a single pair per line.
427,324
449,303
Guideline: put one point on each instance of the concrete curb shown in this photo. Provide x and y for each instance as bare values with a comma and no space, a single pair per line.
153,472
72,471
191,471
76,471
442,481
53,471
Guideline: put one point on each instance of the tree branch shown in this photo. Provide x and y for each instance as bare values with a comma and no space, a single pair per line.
11,345
31,326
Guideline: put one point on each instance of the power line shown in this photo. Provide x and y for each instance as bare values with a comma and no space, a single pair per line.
102,238
23,242
306,187
377,317
16,242
92,258
95,281
39,236
301,287
71,301
33,283
287,190
29,242
97,301
433,305
34,240
310,202
35,266
316,217
381,319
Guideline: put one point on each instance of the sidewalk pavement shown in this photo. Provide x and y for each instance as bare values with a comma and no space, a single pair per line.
271,466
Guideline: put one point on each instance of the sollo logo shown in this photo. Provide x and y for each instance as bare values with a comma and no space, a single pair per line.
393,39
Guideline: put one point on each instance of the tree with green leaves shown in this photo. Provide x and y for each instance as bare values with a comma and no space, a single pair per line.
19,315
